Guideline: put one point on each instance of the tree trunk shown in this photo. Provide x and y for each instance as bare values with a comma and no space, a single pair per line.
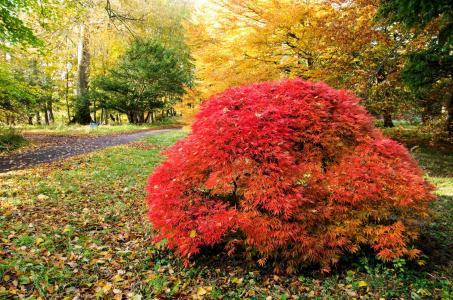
38,118
83,60
130,117
46,116
102,118
82,114
388,122
449,124
67,96
50,111
425,118
30,119
94,111
427,112
67,82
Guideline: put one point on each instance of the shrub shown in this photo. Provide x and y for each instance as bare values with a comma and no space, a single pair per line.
10,139
293,171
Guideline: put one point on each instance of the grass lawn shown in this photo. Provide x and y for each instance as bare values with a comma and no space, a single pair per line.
77,228
87,130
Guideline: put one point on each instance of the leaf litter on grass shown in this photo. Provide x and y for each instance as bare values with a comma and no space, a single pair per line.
77,229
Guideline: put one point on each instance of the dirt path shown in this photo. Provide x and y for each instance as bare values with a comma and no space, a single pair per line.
59,147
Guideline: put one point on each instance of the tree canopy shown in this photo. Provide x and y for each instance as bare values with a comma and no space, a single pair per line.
13,29
395,55
428,67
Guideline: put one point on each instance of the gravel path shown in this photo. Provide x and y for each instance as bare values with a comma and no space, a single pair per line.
59,147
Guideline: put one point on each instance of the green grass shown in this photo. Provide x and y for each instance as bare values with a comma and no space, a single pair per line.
100,130
410,135
79,227
11,139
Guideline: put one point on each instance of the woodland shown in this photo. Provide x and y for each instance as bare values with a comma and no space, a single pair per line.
230,149
71,62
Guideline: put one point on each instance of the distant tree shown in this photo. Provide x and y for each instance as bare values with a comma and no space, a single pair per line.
30,73
431,66
148,77
26,91
9,90
389,98
384,93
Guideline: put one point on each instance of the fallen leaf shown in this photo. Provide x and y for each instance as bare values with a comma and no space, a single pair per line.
117,278
362,283
201,291
107,287
42,197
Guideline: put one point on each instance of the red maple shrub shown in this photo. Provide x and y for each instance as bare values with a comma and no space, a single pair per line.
292,170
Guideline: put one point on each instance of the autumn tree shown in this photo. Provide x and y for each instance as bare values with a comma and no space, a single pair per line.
431,66
36,68
338,42
384,93
274,39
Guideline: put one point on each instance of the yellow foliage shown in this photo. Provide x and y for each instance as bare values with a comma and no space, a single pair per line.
235,42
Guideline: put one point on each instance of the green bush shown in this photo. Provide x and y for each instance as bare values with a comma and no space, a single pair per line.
11,139
432,132
436,127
